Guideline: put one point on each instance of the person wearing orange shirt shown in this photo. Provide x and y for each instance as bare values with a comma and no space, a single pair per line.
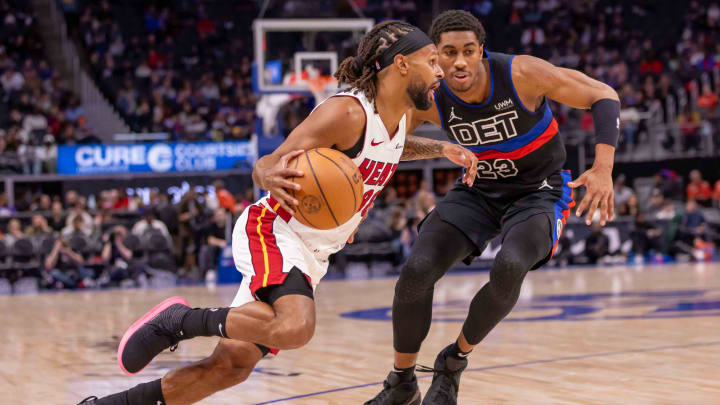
224,197
699,189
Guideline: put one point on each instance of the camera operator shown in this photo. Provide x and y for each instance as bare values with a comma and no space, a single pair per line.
215,241
119,259
65,267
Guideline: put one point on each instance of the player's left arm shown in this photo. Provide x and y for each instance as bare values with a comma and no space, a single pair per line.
418,147
534,79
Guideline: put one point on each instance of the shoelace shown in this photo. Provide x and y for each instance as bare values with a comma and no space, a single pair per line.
91,398
173,337
445,373
425,369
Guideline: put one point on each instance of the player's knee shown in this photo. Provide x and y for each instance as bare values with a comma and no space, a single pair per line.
292,332
224,373
417,277
507,274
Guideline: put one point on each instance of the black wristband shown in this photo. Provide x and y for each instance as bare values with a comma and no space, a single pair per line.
606,118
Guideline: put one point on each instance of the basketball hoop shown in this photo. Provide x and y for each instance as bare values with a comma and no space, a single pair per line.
321,84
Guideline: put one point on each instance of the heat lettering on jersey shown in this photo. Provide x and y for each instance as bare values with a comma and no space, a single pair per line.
376,173
366,168
497,128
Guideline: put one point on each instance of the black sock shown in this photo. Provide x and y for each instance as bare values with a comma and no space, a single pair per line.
205,322
454,351
405,374
141,394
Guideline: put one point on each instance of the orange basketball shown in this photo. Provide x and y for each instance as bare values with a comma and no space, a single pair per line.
331,188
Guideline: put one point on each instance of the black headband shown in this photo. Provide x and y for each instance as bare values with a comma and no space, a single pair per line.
407,44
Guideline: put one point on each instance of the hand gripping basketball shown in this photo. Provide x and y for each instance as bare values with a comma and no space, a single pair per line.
276,181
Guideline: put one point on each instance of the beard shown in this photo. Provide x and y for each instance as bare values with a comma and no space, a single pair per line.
418,93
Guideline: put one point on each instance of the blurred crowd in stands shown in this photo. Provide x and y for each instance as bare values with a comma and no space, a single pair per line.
665,68
113,239
180,68
660,219
118,240
37,111
185,68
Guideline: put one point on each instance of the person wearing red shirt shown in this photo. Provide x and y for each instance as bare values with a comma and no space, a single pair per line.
708,100
699,189
716,194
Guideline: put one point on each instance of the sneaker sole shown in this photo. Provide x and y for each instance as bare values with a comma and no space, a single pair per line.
142,321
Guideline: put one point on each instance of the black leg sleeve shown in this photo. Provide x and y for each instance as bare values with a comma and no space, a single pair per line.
142,394
438,246
525,244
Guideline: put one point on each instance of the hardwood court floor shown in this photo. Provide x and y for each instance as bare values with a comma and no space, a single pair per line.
617,335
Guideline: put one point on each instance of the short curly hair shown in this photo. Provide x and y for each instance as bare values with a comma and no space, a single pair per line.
456,20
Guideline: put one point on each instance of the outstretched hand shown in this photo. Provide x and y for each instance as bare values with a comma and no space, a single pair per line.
600,193
463,157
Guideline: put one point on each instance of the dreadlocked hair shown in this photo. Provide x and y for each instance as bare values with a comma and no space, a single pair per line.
456,20
359,71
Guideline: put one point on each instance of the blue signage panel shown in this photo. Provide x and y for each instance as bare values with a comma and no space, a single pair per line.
155,157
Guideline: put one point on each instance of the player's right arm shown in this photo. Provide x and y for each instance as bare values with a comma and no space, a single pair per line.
418,147
338,122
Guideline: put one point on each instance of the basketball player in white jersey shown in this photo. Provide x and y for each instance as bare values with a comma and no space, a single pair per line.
281,259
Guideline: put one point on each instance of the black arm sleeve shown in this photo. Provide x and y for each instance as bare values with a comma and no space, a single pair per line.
606,118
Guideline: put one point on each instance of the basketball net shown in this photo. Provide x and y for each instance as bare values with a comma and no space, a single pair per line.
321,86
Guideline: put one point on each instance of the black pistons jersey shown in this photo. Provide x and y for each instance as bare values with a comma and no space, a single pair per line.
517,149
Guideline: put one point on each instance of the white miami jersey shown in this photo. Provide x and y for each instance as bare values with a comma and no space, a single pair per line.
377,162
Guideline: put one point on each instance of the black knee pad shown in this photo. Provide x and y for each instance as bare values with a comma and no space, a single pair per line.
416,278
507,274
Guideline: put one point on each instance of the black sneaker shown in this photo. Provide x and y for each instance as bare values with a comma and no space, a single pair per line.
88,401
446,379
150,335
396,392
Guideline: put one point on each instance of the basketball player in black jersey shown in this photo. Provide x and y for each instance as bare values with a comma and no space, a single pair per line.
495,105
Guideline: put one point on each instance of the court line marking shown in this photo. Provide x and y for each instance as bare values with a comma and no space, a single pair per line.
502,366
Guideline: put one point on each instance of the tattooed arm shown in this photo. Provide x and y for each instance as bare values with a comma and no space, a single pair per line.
418,147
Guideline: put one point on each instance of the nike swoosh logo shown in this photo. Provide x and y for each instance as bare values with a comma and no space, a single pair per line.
372,143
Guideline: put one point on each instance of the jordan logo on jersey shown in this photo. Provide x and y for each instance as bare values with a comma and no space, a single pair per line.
544,185
453,116
497,128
